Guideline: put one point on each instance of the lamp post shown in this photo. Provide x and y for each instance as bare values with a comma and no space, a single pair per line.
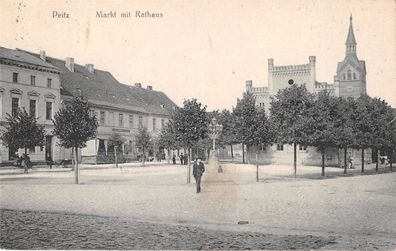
291,82
214,131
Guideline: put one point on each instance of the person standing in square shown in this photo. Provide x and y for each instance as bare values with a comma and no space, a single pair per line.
198,170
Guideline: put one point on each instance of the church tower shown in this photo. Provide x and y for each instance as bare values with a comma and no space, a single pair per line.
350,80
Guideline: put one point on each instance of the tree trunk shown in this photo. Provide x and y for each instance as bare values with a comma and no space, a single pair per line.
189,167
377,157
362,160
26,164
295,159
323,162
257,167
391,159
169,157
143,157
345,159
232,153
248,154
243,153
76,171
115,156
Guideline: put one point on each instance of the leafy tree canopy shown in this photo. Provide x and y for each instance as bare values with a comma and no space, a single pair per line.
73,123
22,131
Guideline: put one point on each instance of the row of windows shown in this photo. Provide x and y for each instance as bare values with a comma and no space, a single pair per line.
32,80
110,120
32,108
349,75
279,147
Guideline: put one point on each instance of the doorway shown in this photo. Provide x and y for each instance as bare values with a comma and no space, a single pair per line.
48,148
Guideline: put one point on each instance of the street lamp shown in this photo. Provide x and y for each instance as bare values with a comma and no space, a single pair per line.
291,82
214,131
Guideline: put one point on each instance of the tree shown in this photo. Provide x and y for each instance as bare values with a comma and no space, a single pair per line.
390,134
261,134
116,141
167,138
321,131
191,124
74,126
143,140
363,127
228,135
343,125
289,113
22,131
380,118
245,114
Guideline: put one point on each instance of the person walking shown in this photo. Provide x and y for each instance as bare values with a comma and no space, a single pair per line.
181,159
198,170
174,159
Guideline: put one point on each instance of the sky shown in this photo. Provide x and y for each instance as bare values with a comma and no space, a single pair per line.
208,49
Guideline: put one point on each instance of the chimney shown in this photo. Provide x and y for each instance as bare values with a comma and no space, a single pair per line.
149,87
42,55
90,68
139,85
69,63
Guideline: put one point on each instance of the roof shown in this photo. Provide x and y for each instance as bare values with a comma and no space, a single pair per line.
351,37
20,56
102,88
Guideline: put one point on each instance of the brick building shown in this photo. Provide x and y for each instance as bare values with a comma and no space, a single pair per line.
349,81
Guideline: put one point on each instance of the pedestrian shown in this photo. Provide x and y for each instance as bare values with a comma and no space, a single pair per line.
350,161
174,159
181,159
26,162
198,170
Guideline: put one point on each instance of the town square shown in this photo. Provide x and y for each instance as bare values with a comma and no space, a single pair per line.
204,125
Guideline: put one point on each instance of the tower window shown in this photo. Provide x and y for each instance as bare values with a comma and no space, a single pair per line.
353,75
349,75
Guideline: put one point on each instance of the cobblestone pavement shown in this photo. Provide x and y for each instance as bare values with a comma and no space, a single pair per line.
342,213
42,230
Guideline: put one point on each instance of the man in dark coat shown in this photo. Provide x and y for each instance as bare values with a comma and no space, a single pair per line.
198,170
181,159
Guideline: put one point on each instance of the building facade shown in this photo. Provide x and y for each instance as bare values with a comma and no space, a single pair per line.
349,81
30,83
40,84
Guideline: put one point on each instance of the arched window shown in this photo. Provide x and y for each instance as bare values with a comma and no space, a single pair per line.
349,74
354,75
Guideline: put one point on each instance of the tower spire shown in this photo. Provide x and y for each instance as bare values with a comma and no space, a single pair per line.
351,41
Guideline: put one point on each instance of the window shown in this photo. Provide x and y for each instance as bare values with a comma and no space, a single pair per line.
49,83
120,119
349,75
102,118
14,106
15,77
130,121
32,107
111,119
154,124
279,147
33,80
343,76
140,121
354,75
48,114
302,148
